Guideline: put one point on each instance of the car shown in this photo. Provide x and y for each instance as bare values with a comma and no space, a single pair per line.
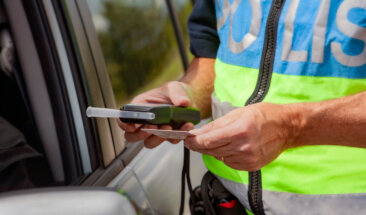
67,55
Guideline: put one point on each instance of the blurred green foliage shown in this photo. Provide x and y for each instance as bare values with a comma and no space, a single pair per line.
139,45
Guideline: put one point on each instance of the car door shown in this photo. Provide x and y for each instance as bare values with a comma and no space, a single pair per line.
72,57
58,83
46,73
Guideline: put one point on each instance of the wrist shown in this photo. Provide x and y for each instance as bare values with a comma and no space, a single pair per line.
297,118
200,96
200,78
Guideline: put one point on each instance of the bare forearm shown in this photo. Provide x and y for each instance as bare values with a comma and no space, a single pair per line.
336,122
200,78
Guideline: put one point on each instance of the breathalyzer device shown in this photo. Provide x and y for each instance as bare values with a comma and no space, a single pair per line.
155,114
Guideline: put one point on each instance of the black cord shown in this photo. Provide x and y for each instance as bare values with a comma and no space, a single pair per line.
183,185
186,176
187,168
180,40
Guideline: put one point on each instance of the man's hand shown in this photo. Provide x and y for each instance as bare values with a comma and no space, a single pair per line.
194,89
250,137
246,138
174,93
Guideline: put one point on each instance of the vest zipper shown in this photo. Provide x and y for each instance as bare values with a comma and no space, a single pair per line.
264,80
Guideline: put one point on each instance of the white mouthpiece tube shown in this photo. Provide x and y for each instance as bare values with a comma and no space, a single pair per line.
112,113
103,112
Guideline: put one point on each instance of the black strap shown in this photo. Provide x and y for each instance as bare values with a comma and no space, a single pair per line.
205,193
183,185
186,176
214,193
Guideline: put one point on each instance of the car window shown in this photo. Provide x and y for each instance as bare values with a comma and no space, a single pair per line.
25,155
138,43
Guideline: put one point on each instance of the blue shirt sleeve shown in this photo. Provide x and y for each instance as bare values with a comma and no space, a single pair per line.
204,40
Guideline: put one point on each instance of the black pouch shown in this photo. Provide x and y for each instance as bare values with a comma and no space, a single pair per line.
212,198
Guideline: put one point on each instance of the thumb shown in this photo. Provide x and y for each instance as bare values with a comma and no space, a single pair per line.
178,94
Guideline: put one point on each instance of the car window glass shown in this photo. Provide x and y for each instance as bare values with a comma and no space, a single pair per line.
138,43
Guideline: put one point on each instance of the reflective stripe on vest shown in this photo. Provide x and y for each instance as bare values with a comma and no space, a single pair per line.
301,186
284,203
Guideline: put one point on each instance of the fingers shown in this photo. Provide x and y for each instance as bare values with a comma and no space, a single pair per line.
172,93
214,125
156,96
138,135
128,127
217,133
186,127
134,134
153,141
210,140
224,150
177,93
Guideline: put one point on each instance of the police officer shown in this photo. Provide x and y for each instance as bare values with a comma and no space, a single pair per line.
285,81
